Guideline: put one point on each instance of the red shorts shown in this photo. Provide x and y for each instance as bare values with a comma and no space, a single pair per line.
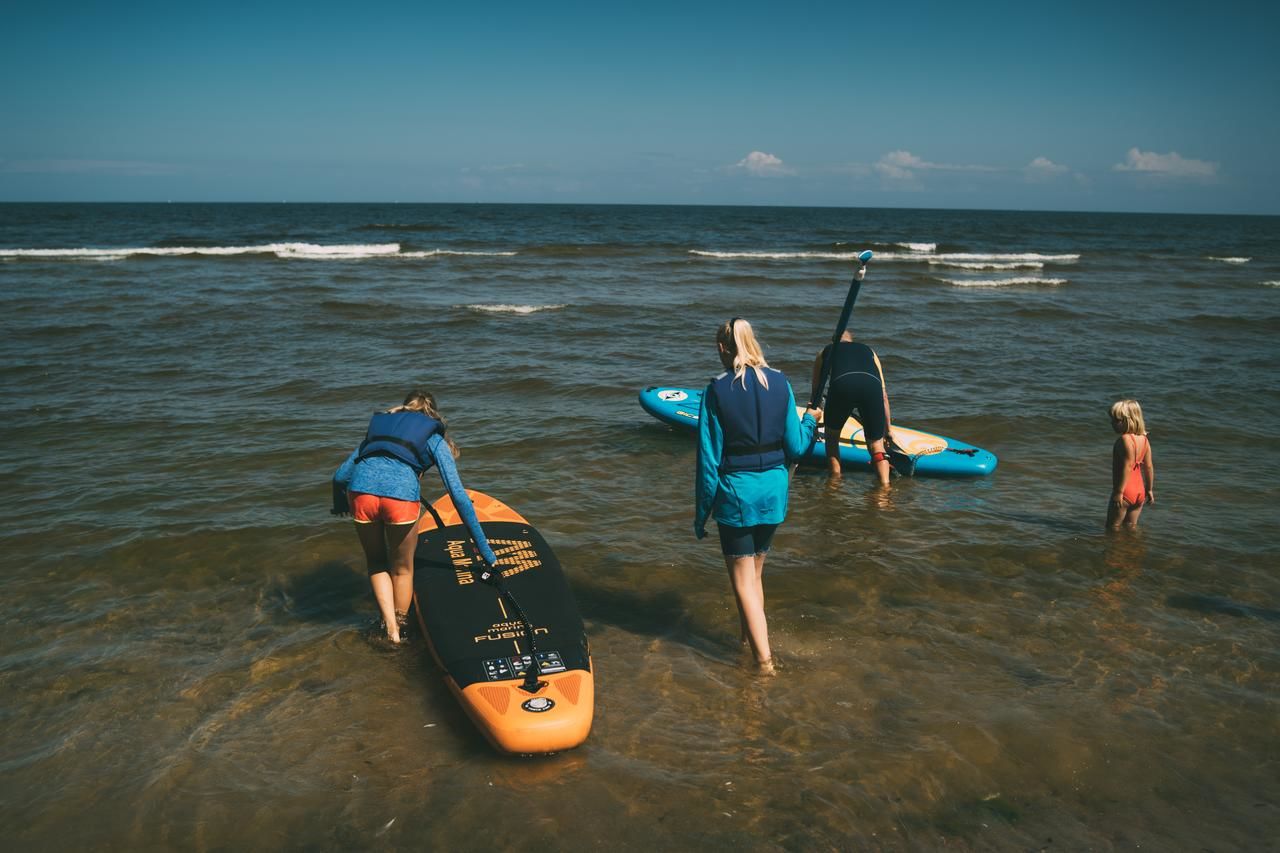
366,509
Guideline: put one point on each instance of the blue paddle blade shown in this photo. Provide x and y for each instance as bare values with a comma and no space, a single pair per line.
864,256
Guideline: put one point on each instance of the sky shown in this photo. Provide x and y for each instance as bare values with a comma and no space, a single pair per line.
1119,106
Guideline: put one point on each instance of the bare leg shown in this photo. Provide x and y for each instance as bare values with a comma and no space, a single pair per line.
882,467
1115,514
402,541
745,574
373,540
1131,514
831,438
742,616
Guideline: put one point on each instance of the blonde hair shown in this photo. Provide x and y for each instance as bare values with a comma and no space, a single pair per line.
1129,413
424,402
740,342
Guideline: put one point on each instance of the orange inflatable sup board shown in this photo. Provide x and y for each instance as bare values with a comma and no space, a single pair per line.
481,636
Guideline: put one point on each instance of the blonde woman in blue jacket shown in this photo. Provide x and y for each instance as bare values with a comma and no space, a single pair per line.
748,432
378,487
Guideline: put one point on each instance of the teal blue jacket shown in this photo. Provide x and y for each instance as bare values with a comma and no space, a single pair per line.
743,498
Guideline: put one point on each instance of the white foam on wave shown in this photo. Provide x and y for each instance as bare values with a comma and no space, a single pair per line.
310,251
912,257
991,265
1232,260
777,256
1015,260
511,309
9,256
919,247
998,257
433,253
1001,282
1271,284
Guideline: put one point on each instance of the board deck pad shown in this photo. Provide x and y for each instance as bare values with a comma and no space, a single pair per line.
483,646
933,454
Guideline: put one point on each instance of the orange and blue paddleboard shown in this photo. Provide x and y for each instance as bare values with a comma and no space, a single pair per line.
481,637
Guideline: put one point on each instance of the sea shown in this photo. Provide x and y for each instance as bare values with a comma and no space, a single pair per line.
964,664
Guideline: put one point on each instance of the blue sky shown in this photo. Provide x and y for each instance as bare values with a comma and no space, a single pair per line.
1169,107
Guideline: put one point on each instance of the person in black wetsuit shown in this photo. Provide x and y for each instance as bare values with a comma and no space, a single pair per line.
857,383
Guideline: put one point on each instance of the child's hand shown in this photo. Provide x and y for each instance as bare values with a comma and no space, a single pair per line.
1151,496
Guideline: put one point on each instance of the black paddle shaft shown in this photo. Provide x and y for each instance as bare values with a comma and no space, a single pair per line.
492,575
845,313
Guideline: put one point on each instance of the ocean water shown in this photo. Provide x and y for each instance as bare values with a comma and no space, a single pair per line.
965,664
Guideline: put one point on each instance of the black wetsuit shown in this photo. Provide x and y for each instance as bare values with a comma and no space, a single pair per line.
856,383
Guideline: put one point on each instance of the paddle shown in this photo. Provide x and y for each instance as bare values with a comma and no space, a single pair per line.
852,296
854,287
903,463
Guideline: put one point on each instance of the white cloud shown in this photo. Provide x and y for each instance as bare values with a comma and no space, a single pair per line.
763,165
902,166
897,165
1042,170
1045,166
1172,165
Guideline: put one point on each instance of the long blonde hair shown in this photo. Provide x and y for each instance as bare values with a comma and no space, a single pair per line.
1129,413
739,341
424,402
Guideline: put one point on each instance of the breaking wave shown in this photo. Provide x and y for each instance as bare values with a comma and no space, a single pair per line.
433,253
946,257
1001,282
280,250
511,309
777,256
288,251
988,265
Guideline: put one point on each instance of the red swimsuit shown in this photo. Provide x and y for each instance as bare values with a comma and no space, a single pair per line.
1135,487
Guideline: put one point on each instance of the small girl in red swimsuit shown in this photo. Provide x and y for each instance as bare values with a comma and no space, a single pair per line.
1133,474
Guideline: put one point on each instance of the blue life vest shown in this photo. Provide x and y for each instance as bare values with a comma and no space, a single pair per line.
754,420
403,436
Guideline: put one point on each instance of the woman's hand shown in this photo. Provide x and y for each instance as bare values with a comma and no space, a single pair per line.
815,413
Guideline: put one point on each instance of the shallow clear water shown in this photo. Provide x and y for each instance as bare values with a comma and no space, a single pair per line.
966,664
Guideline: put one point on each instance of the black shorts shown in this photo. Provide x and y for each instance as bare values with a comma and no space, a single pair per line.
855,391
745,541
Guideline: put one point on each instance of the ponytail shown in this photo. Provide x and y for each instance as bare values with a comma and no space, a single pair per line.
739,341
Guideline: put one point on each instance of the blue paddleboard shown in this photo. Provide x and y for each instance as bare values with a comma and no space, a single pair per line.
935,455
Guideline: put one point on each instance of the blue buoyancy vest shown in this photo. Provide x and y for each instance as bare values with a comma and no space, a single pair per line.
754,420
403,436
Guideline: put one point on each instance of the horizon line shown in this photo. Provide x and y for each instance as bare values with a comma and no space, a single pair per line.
655,204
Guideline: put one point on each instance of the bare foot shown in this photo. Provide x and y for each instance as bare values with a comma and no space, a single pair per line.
766,667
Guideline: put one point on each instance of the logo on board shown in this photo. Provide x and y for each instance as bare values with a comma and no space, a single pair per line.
514,556
538,705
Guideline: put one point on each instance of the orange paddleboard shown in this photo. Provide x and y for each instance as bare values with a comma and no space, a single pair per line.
481,641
